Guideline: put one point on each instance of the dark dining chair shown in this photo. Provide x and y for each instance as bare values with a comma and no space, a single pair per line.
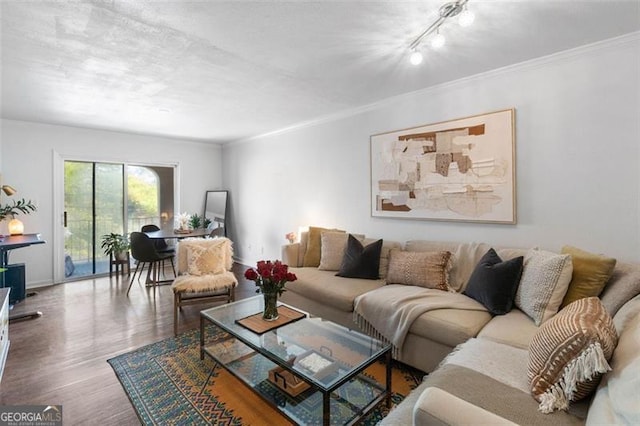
144,251
160,244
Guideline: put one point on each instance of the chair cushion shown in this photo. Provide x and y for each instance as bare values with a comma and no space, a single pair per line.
204,283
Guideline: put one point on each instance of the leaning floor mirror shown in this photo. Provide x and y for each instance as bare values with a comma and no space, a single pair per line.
215,209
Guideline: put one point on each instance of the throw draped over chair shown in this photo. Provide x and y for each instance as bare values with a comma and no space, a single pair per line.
204,273
144,251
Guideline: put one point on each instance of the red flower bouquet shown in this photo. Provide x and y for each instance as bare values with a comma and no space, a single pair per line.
270,278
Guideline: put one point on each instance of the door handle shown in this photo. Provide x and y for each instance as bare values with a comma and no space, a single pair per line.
65,219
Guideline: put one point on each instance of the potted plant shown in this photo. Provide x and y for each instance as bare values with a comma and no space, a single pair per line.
15,208
116,245
195,221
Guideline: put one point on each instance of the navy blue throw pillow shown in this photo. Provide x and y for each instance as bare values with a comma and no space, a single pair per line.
494,283
359,261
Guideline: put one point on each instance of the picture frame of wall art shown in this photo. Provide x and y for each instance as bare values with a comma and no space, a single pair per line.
456,170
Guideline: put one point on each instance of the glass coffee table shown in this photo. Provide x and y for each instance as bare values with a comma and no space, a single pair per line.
310,369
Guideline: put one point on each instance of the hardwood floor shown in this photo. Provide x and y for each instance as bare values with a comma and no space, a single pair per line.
60,358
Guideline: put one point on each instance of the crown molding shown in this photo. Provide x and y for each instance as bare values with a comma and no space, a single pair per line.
564,55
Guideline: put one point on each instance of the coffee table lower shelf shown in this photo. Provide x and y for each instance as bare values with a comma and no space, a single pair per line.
348,403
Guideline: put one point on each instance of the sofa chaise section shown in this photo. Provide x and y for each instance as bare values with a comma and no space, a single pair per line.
324,294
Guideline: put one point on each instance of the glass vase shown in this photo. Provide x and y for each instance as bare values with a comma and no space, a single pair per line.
270,306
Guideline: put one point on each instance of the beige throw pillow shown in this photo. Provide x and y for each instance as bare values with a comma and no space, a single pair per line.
204,261
332,247
544,282
423,269
568,354
314,244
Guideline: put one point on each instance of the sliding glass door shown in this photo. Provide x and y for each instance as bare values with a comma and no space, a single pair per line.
101,198
149,196
94,206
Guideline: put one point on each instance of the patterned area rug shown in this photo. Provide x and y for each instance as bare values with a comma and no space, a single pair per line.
168,384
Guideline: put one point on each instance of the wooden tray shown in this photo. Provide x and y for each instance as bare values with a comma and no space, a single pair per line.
256,324
287,382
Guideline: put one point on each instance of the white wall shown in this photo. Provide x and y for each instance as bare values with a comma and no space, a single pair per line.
27,164
577,148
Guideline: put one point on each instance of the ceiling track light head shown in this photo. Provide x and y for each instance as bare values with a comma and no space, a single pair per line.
446,11
416,57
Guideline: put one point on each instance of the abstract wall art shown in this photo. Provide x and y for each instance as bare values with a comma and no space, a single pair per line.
458,170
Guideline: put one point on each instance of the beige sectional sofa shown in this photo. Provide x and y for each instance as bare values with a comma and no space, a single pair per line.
459,392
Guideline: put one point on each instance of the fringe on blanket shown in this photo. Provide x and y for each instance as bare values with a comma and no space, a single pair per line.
451,354
371,331
590,363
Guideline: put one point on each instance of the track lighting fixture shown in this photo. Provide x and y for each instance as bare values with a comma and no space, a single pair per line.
446,11
438,40
416,57
466,17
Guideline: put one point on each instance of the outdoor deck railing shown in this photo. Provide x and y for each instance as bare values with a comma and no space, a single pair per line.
78,242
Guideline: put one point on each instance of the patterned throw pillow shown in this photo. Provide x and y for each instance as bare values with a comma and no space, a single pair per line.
428,269
569,353
204,261
544,282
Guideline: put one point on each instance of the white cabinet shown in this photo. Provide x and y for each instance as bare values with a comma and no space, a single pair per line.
4,328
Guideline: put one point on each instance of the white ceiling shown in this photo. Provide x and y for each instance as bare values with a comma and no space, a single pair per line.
226,70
